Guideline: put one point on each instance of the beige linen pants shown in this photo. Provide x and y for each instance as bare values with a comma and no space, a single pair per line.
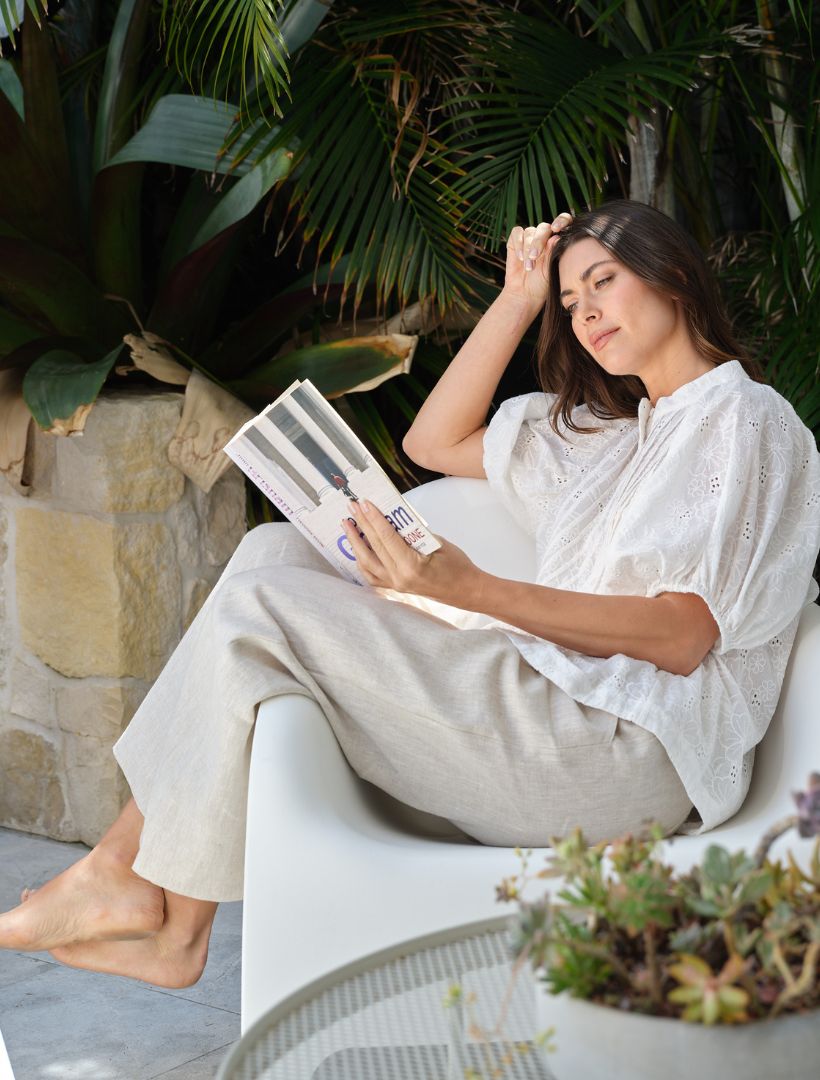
448,720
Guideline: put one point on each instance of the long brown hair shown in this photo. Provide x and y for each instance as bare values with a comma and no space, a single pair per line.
663,255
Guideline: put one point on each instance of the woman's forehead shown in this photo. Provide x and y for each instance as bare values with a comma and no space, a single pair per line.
578,257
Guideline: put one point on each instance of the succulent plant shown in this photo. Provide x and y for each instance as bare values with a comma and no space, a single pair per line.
733,940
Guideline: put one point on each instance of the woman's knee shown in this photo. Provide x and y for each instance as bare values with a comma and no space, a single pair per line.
269,544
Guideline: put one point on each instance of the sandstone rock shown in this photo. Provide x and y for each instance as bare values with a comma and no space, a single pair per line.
41,461
120,462
96,598
5,576
95,793
89,708
224,517
197,592
32,696
31,795
184,524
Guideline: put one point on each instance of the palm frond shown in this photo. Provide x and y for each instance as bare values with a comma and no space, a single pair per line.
544,125
243,37
356,188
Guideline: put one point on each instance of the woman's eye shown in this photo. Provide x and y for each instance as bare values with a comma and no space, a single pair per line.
603,281
568,310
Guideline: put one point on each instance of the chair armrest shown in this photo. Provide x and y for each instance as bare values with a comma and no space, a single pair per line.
465,511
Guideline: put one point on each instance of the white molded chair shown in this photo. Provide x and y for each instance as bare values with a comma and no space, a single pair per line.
336,869
5,1064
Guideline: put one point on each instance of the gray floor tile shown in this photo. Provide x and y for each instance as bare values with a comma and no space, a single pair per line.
16,966
31,860
76,1025
63,1024
203,1068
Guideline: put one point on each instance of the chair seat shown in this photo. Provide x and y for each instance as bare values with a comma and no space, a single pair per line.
335,869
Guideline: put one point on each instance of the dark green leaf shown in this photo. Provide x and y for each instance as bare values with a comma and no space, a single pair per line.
57,384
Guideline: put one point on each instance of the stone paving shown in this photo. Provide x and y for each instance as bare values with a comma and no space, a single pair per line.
63,1024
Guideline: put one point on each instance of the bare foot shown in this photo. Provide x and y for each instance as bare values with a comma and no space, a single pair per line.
162,960
99,898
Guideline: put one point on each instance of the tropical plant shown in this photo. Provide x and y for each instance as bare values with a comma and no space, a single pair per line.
397,141
450,123
734,939
80,304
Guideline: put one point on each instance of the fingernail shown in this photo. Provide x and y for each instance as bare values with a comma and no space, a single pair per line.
528,264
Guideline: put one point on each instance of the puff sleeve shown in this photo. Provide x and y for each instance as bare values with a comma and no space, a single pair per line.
511,453
739,518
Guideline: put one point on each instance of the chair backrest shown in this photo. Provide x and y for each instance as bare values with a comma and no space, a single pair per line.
465,511
791,747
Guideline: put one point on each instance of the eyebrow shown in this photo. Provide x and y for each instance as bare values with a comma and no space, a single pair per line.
585,275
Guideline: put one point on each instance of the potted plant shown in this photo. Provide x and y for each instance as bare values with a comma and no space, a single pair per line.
650,973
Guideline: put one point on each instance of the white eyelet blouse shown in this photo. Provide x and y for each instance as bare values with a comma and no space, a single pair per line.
714,491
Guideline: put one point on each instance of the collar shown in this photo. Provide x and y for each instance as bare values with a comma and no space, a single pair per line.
732,371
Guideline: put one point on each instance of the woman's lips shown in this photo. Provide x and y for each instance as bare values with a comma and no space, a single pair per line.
601,342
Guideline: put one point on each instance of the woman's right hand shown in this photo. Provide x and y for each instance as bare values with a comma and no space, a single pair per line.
528,255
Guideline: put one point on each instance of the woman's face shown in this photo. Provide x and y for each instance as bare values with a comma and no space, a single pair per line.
625,325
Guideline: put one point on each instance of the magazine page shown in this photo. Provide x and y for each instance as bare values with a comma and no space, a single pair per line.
309,462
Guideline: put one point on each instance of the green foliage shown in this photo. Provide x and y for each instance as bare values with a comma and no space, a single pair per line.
396,142
734,939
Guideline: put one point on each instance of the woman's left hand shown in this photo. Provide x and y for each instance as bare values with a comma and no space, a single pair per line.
387,561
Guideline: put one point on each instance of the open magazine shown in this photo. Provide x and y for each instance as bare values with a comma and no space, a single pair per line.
308,462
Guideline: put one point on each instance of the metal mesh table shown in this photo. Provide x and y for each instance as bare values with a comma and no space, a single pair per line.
433,1008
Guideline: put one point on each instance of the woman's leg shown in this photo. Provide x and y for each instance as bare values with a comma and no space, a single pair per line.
98,913
97,898
173,957
450,721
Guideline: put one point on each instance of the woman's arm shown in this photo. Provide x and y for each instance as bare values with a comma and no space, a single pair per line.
673,631
458,403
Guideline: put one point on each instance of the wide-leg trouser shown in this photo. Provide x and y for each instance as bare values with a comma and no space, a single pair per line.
449,720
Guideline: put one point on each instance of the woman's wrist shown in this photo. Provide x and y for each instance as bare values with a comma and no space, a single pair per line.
523,307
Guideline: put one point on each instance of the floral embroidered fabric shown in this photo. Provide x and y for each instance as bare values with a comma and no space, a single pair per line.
714,491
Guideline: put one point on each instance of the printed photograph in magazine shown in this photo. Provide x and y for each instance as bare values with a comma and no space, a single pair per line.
309,463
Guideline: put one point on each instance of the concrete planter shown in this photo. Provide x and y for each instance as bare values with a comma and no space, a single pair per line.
598,1043
103,565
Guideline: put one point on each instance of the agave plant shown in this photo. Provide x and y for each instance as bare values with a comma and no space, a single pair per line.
79,304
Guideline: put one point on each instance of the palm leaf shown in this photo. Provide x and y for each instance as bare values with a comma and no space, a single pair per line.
388,206
242,35
12,14
556,100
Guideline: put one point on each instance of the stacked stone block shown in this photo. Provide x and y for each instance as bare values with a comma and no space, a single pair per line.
103,565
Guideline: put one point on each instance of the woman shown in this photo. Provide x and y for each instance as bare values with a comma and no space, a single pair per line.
675,503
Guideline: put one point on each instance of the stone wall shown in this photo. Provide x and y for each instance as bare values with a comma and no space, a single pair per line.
102,568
